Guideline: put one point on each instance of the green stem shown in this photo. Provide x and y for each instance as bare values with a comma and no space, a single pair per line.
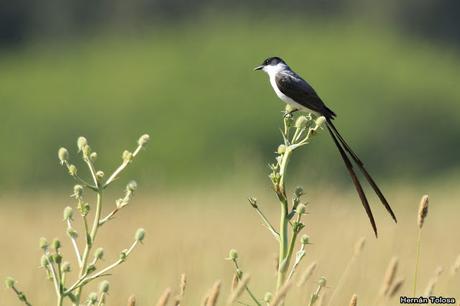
417,258
240,276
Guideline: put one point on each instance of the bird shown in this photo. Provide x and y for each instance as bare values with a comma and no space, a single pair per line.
300,95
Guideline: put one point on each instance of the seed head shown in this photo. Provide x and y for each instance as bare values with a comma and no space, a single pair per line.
143,140
140,235
389,276
77,191
307,274
322,281
359,246
301,209
127,156
72,233
422,211
132,186
396,287
99,175
81,142
268,297
164,298
281,149
63,155
104,286
44,261
298,191
301,122
68,213
320,121
92,298
56,244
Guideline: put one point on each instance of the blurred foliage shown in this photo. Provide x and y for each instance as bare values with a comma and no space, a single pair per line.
192,88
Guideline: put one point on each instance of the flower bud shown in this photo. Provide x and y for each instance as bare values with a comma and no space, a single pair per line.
298,191
86,150
140,235
268,297
301,209
92,298
104,286
72,170
99,253
123,255
57,258
233,254
127,156
68,213
43,244
281,149
72,233
77,191
81,142
143,140
65,268
305,239
56,244
131,187
44,261
320,121
93,157
99,175
9,282
322,281
90,269
63,155
301,122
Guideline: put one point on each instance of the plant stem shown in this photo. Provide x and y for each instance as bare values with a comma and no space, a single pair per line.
240,276
417,258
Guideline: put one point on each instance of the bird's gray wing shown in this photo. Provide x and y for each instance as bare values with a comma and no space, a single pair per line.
301,92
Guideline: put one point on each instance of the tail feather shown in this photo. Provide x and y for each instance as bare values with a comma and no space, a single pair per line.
360,164
356,182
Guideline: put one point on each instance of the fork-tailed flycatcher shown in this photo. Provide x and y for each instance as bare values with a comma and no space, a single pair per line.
295,91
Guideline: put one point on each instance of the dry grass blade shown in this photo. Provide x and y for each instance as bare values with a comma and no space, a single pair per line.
354,300
389,276
359,246
322,299
182,286
234,282
430,287
422,211
132,301
307,274
456,266
164,298
281,295
396,287
214,294
236,293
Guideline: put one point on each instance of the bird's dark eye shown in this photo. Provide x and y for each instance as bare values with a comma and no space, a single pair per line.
266,62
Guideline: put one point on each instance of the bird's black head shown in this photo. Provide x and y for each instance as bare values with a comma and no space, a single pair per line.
271,61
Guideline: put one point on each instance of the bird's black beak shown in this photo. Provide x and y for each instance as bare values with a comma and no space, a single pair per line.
258,68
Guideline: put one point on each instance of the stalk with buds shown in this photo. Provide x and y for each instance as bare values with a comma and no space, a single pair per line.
87,259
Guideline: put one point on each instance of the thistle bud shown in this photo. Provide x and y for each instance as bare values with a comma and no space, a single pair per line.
92,298
298,191
301,122
56,244
305,239
43,244
320,121
143,140
268,297
86,151
81,142
127,156
44,261
72,170
322,281
72,233
104,286
301,209
77,191
140,235
57,258
68,213
9,282
281,149
65,268
99,253
93,157
99,175
233,254
131,187
63,155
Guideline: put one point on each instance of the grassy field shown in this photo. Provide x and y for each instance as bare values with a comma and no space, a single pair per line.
192,231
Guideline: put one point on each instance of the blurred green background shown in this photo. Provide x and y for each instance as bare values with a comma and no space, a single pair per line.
182,72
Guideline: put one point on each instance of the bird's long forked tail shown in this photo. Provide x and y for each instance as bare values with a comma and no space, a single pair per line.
342,146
